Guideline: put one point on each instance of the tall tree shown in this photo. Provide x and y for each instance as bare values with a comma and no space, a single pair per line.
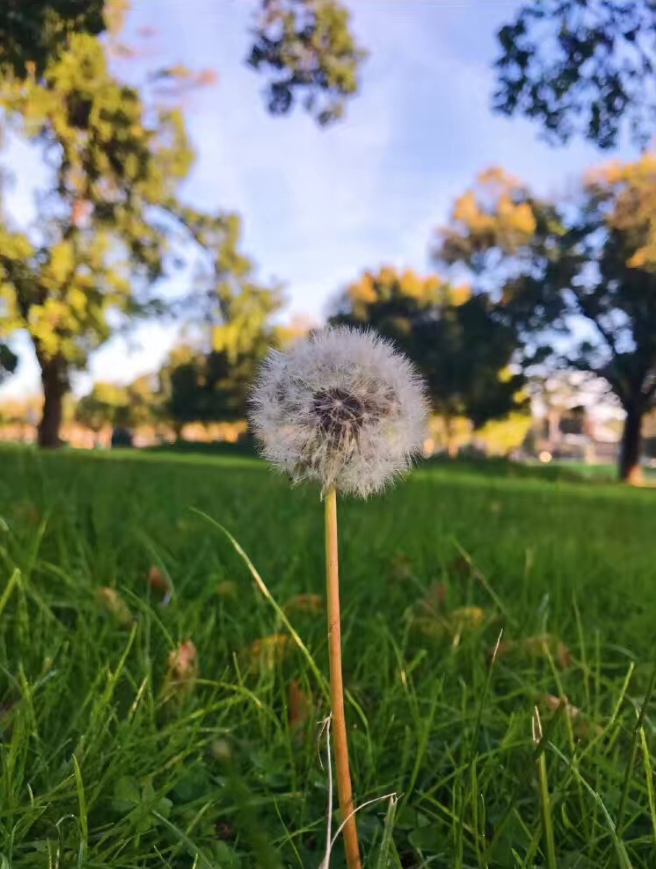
310,54
584,273
453,336
229,315
102,236
206,387
581,66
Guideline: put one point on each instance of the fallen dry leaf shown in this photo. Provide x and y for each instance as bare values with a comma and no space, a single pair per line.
438,626
181,672
434,600
401,567
582,725
227,588
266,652
112,602
221,750
304,603
160,584
300,705
467,617
539,646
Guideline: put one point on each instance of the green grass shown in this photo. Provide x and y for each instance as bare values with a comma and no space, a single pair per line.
105,763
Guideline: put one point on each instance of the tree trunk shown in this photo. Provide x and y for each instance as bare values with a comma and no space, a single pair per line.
53,379
630,470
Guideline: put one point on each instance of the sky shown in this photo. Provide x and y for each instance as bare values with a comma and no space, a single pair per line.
319,205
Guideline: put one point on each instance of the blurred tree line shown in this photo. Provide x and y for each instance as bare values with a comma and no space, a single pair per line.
522,284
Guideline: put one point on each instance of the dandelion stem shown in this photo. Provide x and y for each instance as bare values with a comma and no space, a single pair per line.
340,744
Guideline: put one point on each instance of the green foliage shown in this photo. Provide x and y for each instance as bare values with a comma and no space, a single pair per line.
234,308
500,437
453,337
98,408
208,380
32,34
207,387
310,55
100,244
581,66
466,354
101,767
109,404
305,47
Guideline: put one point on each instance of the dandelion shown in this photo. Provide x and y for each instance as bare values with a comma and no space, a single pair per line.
345,409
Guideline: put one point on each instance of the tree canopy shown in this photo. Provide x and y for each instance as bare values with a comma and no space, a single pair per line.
581,67
453,337
206,387
582,269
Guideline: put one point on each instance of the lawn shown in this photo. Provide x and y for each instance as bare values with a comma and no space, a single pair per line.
118,751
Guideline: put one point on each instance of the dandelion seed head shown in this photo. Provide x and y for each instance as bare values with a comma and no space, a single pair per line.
342,407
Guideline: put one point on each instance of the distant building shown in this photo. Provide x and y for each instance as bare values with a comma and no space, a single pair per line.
572,433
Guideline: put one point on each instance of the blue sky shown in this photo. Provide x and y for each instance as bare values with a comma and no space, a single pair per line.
321,205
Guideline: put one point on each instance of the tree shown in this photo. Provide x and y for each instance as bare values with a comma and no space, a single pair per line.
584,274
581,66
111,405
453,337
145,403
99,408
206,387
229,315
308,50
104,227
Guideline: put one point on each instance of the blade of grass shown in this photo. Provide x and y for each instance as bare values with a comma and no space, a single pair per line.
386,843
628,773
82,804
649,776
269,597
14,579
620,847
482,579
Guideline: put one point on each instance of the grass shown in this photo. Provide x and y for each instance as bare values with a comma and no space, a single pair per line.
114,753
